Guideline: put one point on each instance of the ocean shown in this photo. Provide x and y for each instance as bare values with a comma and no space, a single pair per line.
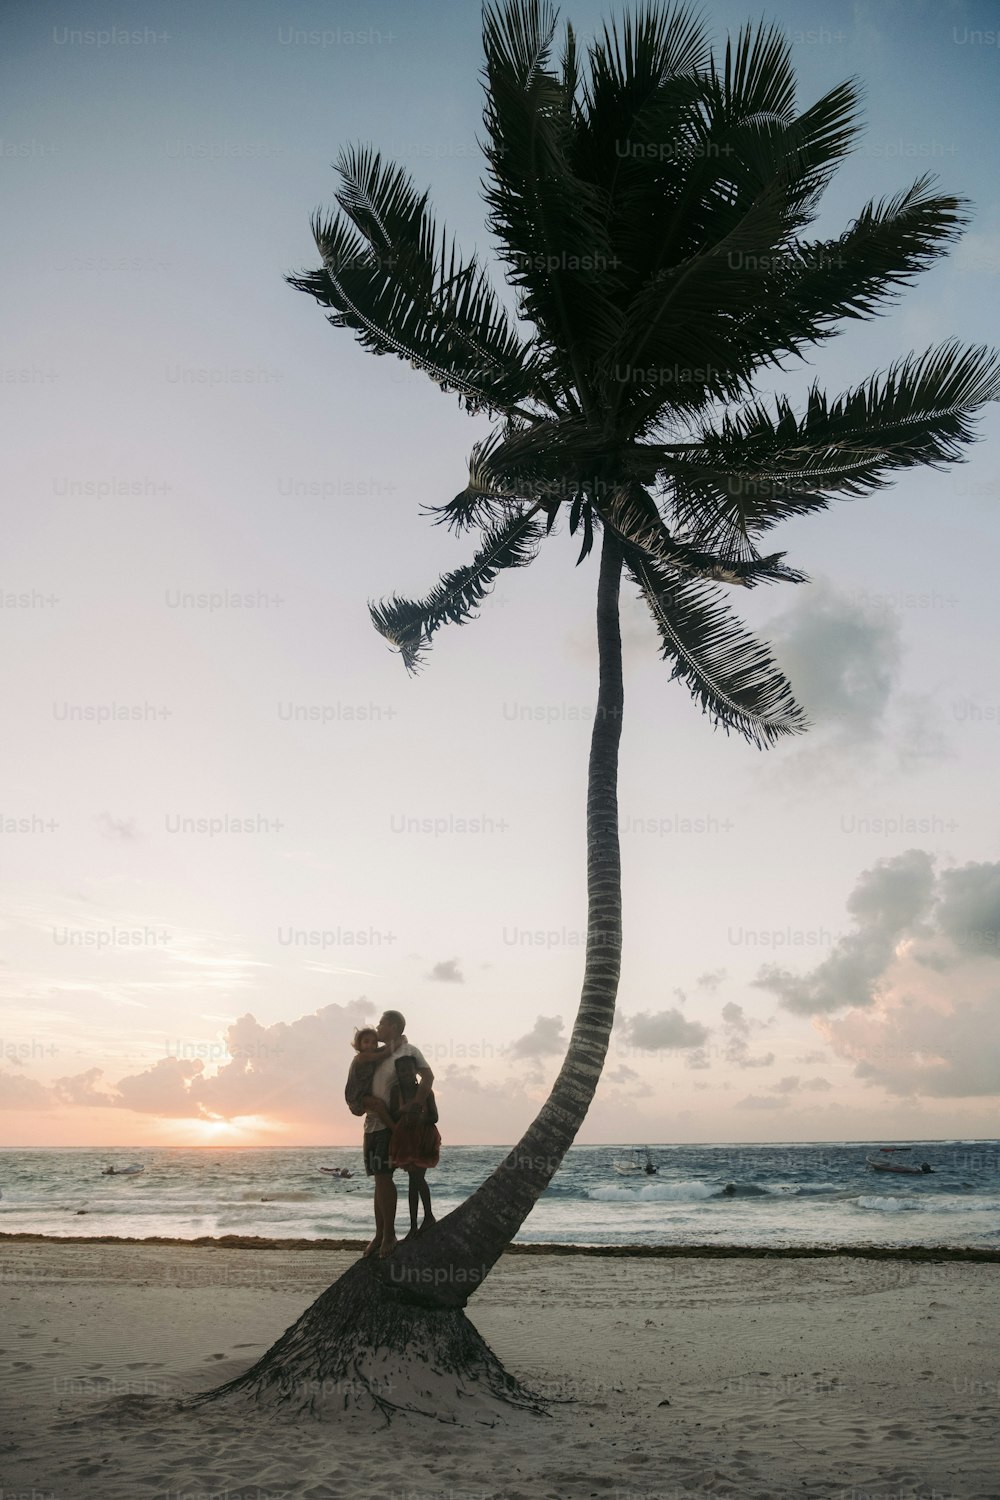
754,1195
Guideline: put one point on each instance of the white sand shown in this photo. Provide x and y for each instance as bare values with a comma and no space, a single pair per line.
841,1378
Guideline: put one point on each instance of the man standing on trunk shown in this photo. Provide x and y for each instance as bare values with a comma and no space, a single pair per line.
379,1124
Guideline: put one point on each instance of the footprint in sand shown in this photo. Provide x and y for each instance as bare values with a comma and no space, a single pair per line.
19,1364
212,1356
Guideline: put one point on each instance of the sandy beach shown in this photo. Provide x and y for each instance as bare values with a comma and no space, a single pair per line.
671,1377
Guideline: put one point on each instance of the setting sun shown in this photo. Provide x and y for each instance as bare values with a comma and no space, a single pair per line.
244,1130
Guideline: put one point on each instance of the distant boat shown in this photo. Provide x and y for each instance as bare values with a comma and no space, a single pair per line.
129,1171
883,1163
637,1162
337,1172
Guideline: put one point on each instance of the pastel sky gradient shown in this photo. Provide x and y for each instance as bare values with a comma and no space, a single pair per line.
812,935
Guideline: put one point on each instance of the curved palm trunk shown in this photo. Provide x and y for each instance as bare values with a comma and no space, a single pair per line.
391,1335
444,1267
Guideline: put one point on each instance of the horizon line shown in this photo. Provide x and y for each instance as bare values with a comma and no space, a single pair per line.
576,1146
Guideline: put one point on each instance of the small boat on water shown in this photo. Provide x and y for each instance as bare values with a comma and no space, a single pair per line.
337,1172
129,1171
637,1162
884,1163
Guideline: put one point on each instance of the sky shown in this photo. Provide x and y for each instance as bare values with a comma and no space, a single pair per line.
233,828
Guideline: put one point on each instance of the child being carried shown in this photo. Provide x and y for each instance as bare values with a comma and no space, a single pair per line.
415,1143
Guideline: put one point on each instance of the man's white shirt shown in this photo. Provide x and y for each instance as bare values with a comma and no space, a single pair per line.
385,1077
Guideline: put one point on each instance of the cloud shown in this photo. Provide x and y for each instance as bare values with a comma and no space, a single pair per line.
941,1040
737,1027
977,252
733,1015
314,968
917,739
626,1079
82,1089
281,1071
447,972
912,995
176,959
163,1089
843,655
968,912
288,1070
842,658
711,979
889,900
498,1110
18,1092
785,1088
543,1040
290,1075
664,1029
487,1111
117,828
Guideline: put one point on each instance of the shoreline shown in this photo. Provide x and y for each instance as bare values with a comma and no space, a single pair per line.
924,1253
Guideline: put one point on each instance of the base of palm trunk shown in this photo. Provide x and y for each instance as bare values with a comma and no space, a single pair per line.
361,1347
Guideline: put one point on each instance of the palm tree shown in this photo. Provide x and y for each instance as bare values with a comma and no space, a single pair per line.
649,208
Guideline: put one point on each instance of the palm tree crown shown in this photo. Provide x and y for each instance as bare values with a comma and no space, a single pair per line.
649,207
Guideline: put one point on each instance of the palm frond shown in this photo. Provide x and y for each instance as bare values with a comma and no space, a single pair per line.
730,673
628,66
486,500
550,223
816,284
757,81
733,156
546,463
639,127
759,468
399,283
633,514
695,306
409,624
708,236
570,78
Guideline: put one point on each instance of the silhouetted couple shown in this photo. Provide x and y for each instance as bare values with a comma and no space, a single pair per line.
390,1083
